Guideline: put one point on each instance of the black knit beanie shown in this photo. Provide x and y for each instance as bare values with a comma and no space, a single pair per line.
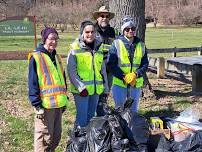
84,24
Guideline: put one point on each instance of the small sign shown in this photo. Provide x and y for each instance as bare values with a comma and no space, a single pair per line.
17,26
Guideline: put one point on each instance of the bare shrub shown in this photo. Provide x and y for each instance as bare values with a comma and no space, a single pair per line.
61,16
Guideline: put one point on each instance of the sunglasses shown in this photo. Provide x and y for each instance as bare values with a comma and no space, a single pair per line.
130,28
104,16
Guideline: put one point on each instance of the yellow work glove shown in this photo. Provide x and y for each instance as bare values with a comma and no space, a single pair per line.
130,78
133,83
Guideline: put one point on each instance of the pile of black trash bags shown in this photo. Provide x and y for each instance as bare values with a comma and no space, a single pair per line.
120,130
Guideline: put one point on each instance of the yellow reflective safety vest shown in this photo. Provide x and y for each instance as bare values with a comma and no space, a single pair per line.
51,80
124,62
88,69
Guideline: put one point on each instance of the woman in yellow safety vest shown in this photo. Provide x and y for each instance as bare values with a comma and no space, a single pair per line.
127,62
87,73
47,91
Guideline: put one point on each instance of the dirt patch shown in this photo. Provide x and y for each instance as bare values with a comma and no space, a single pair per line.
172,94
17,55
14,55
16,108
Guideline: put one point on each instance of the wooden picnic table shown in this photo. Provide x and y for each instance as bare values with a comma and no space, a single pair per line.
193,65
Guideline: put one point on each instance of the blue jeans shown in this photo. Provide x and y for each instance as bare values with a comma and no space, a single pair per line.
120,95
86,107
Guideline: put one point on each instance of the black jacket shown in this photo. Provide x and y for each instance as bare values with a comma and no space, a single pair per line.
107,36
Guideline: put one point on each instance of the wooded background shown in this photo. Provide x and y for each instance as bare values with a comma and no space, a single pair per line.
71,12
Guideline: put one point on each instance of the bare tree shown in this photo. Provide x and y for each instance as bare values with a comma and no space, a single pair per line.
3,6
14,8
153,9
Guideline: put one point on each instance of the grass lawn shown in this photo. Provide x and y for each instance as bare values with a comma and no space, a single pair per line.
9,43
16,114
154,38
173,37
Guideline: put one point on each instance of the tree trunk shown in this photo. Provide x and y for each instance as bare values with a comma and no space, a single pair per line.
134,8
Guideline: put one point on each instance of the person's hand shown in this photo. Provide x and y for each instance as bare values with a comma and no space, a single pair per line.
133,83
84,93
39,112
130,78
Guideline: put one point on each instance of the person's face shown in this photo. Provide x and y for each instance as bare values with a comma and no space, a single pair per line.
103,19
51,42
89,34
129,32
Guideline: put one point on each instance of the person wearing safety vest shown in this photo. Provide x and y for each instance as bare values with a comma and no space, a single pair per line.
128,62
106,34
87,73
47,91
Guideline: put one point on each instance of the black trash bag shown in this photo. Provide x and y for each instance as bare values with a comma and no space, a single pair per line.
119,141
137,129
101,104
99,135
122,139
163,145
78,141
193,143
196,142
154,141
107,134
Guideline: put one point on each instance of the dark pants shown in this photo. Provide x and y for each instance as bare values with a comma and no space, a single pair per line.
102,98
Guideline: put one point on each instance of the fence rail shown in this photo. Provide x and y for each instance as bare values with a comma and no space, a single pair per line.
175,50
161,63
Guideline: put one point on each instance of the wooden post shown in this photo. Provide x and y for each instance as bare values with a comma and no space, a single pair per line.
174,53
197,78
161,67
35,38
200,52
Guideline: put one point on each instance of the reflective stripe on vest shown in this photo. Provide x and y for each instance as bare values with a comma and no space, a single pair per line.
124,62
51,81
88,69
